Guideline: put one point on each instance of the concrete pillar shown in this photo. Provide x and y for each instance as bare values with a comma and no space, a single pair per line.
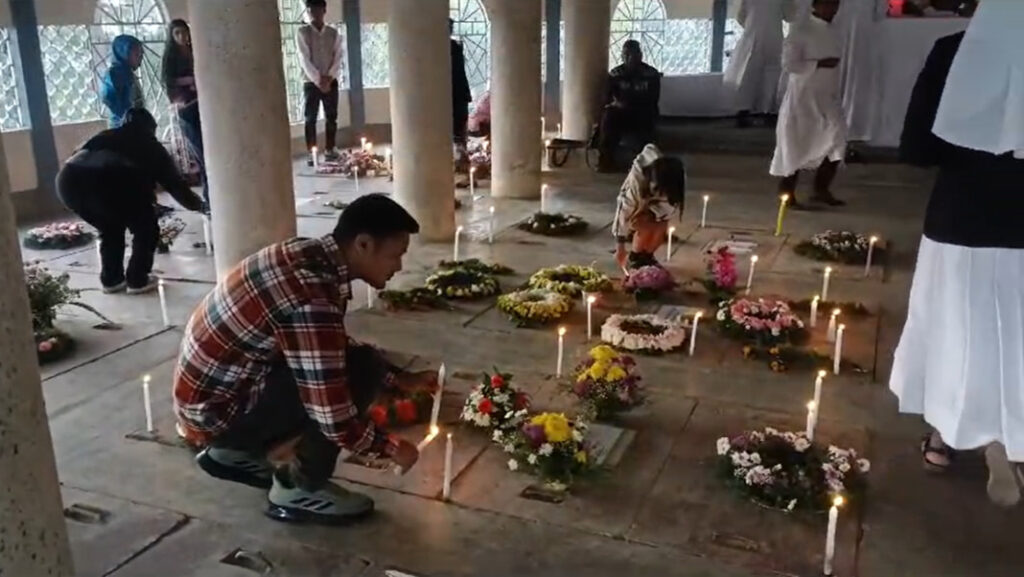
421,114
516,98
587,28
33,537
242,100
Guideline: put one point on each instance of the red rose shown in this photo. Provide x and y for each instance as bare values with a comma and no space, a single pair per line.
486,407
497,381
379,415
521,401
405,411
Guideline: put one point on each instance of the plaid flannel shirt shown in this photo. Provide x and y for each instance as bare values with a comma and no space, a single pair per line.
288,300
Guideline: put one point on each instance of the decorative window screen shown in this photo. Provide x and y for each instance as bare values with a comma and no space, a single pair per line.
12,116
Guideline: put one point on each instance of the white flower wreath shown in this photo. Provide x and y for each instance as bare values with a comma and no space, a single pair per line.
666,336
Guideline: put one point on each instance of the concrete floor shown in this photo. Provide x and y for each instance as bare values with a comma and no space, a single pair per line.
139,507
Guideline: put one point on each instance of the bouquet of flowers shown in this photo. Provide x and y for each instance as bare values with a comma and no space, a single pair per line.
459,283
46,294
170,228
534,306
766,322
61,235
476,265
643,333
557,224
365,162
552,446
495,404
570,280
722,276
480,158
399,409
837,246
786,471
607,383
648,282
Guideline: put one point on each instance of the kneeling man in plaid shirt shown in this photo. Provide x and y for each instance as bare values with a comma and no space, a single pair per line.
266,362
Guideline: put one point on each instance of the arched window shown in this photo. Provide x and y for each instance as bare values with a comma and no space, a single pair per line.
147,21
11,116
293,15
642,20
473,29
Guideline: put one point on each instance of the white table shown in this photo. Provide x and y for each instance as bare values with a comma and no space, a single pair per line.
904,45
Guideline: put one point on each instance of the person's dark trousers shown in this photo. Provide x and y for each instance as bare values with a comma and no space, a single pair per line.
823,178
313,99
616,123
279,416
113,200
192,130
460,121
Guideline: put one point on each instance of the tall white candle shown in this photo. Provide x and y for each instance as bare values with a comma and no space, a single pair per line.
369,297
387,156
704,211
446,489
668,251
824,284
99,253
830,334
830,537
547,158
163,302
355,176
472,182
425,441
871,252
455,249
149,405
543,127
813,322
693,331
591,299
561,351
206,235
838,356
812,419
818,382
316,158
544,198
750,275
435,410
490,227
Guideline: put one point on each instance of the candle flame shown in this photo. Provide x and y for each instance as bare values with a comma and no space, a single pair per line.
817,298
449,436
835,312
822,373
492,210
811,405
472,170
146,379
707,197
561,331
874,239
753,258
434,431
591,299
842,327
838,501
458,230
547,142
828,270
785,198
160,282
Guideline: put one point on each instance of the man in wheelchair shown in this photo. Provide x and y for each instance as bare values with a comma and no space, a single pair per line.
631,106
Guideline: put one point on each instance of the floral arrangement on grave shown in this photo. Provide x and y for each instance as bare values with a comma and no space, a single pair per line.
480,159
476,265
398,408
533,307
460,283
607,383
556,224
722,277
648,282
551,446
570,280
786,471
414,299
496,405
763,322
58,236
643,333
171,228
837,246
365,162
47,293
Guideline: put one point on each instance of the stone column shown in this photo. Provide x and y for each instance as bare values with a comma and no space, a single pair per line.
587,28
242,100
33,537
516,98
421,114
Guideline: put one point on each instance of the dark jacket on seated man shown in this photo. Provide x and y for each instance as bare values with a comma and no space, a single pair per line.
631,103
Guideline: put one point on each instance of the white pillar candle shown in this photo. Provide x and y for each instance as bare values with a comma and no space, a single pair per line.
668,251
824,284
543,126
355,176
750,275
591,299
559,129
435,410
362,142
871,252
704,211
387,157
163,302
316,158
838,357
426,441
544,198
99,253
830,334
148,404
693,331
472,182
813,321
561,351
812,419
490,228
446,488
830,537
369,297
455,249
818,382
547,159
207,234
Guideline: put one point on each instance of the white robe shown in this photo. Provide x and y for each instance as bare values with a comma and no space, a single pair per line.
857,21
756,64
811,123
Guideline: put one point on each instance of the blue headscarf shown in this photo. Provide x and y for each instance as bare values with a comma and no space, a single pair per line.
120,91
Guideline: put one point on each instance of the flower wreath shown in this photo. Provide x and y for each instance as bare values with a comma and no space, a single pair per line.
414,299
557,224
570,280
476,265
643,333
459,283
534,306
785,470
607,383
400,409
762,321
496,404
553,447
52,345
837,246
60,236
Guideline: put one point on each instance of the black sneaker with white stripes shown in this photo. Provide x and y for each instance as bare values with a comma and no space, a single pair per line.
236,466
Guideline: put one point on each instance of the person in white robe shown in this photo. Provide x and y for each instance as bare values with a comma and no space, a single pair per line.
811,133
859,63
753,73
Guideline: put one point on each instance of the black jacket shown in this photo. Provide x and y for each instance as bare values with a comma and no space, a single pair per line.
461,93
638,89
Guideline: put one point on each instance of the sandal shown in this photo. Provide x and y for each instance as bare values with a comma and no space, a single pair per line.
944,452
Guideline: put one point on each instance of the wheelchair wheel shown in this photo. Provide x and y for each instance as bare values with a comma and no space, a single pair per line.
593,157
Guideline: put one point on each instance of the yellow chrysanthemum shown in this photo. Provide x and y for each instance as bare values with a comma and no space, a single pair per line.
556,426
598,370
616,373
584,375
603,353
581,457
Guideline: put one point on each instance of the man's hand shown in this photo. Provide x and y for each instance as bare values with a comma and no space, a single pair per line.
828,63
405,456
425,381
621,254
325,84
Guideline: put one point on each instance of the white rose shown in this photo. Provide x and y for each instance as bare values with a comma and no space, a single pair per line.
513,465
509,448
485,420
531,459
776,332
844,467
577,436
723,445
546,449
721,315
801,444
497,436
863,465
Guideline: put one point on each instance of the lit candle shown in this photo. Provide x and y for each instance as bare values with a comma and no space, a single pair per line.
812,419
704,211
830,537
369,297
490,228
750,275
163,302
547,159
543,126
693,331
814,311
783,200
871,252
561,351
472,182
149,405
824,284
446,490
206,235
830,334
591,299
818,382
362,142
671,233
355,176
99,253
543,198
387,156
434,431
839,349
316,158
455,250
435,411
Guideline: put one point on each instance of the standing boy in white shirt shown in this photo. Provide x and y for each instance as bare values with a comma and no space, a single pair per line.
320,53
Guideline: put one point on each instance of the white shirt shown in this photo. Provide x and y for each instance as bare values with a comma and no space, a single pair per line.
756,64
635,195
320,51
